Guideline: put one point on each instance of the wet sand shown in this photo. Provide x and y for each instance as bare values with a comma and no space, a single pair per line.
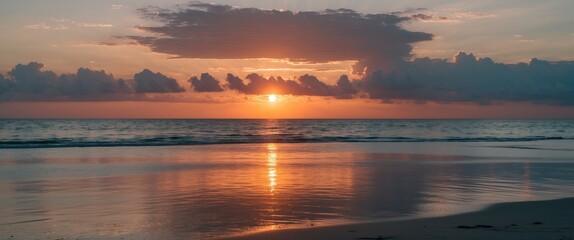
553,219
214,191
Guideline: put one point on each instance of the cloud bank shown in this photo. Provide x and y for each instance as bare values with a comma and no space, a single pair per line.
305,85
465,78
471,79
199,30
28,82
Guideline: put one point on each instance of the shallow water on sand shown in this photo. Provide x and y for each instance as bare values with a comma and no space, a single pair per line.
204,191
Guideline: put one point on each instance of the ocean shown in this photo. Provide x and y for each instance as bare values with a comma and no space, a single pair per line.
109,133
205,179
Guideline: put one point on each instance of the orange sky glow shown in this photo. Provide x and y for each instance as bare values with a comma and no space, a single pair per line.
322,59
316,108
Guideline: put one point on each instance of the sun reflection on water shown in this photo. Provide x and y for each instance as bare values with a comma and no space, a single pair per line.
272,166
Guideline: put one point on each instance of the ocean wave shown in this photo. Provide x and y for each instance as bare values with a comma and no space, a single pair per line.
245,139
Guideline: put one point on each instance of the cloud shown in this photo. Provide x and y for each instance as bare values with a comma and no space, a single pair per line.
95,25
5,84
473,15
150,82
30,78
346,87
206,83
198,30
465,78
443,16
44,26
62,20
28,82
409,11
117,6
305,85
423,17
433,19
471,79
86,82
66,24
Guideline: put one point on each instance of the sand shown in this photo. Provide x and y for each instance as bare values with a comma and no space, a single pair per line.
553,219
210,191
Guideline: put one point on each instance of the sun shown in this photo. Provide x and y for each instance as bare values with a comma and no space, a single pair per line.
272,98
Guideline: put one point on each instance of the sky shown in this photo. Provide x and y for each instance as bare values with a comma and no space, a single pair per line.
323,59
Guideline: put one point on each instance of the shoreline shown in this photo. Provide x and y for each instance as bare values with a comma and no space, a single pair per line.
23,146
547,219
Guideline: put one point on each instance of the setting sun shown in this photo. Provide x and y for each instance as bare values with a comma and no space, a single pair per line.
287,119
272,98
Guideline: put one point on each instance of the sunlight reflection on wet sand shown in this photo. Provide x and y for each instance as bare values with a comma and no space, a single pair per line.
218,190
272,164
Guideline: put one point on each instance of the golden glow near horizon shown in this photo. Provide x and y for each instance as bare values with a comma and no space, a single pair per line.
272,98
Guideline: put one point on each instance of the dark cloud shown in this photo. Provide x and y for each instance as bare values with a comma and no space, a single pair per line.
87,82
346,87
305,85
30,78
5,84
428,18
28,82
414,14
150,82
206,83
471,79
421,16
409,11
464,79
198,30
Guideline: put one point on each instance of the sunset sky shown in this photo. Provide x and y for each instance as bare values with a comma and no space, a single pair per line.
322,59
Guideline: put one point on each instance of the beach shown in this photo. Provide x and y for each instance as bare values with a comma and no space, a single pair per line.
119,180
286,120
519,220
